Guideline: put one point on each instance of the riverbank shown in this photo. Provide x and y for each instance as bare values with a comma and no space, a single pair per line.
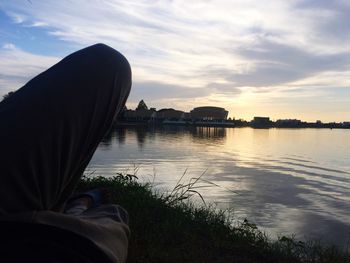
167,228
232,124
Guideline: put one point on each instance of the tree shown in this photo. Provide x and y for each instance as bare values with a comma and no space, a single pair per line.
142,106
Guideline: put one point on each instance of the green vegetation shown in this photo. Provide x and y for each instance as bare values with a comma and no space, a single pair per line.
168,228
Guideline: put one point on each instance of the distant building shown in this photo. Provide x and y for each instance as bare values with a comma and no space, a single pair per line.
139,115
318,124
142,106
261,122
288,123
187,116
170,114
209,113
346,124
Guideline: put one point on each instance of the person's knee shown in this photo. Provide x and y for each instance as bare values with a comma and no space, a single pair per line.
115,212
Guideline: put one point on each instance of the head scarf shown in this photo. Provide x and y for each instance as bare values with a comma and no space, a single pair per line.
51,127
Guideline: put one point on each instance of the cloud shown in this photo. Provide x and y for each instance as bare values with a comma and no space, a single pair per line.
9,46
158,90
224,88
17,67
276,64
16,17
333,19
167,41
152,91
206,49
39,24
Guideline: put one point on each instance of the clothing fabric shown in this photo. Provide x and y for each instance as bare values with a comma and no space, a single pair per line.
50,129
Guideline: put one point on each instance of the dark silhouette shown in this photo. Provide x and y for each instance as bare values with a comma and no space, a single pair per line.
50,129
211,116
216,133
106,141
121,135
142,106
141,137
7,95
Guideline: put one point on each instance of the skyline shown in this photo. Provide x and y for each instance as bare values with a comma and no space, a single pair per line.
150,108
283,59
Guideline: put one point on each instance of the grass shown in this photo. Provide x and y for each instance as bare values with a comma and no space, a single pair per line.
169,228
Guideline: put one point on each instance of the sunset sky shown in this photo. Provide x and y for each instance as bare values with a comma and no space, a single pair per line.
276,58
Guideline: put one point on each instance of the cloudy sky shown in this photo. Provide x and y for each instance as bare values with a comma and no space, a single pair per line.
277,58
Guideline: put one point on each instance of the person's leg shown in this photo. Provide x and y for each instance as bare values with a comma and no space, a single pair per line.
51,127
79,203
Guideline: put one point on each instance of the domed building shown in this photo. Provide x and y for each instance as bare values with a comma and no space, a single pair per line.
209,113
170,114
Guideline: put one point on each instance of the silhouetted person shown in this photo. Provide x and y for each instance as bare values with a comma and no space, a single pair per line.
50,129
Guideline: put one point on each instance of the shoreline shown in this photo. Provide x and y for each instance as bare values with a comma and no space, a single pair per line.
219,125
168,228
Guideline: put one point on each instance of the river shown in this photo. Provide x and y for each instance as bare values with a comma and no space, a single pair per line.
287,181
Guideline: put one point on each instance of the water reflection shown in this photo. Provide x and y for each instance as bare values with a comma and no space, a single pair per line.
120,135
106,142
199,134
141,136
285,180
216,134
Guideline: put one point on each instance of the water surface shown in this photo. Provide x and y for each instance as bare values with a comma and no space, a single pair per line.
284,180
